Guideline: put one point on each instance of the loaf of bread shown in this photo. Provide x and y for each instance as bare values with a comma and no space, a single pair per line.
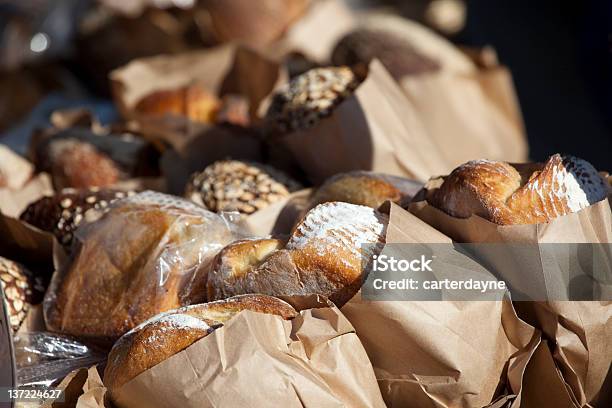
148,254
232,185
364,188
396,53
324,255
62,213
507,193
193,101
21,290
310,97
171,332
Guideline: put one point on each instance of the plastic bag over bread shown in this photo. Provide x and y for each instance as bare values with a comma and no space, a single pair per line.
148,254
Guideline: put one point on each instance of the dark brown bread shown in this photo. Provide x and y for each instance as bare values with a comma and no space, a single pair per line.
168,333
21,290
63,212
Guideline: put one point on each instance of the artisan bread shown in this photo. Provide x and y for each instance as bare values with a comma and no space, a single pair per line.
324,255
168,333
148,254
364,188
61,213
233,185
193,101
531,193
310,97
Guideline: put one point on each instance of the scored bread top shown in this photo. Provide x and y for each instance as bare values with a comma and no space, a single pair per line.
168,333
520,194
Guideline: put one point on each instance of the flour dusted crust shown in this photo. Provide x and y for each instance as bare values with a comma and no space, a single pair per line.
168,333
520,194
148,254
324,255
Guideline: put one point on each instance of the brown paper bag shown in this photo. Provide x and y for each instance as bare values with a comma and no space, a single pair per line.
227,69
13,202
438,353
278,219
374,129
463,120
315,360
579,330
315,34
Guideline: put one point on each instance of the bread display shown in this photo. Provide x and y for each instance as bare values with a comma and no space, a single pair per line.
148,254
62,213
397,54
21,290
193,101
364,188
508,194
310,97
168,333
324,255
232,185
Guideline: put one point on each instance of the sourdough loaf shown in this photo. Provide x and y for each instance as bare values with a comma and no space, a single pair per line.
148,254
531,193
168,333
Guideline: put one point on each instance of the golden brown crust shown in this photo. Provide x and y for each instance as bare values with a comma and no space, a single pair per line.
362,188
168,333
193,102
234,262
324,255
509,194
107,288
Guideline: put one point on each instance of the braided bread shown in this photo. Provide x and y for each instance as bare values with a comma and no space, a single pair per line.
519,194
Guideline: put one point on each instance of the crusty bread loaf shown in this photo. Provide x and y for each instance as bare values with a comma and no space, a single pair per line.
168,333
148,254
519,194
192,101
364,188
310,97
233,185
324,255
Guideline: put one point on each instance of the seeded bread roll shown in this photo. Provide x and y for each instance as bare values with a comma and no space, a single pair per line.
324,255
193,102
21,290
148,254
232,185
169,333
364,188
62,213
509,194
310,97
397,54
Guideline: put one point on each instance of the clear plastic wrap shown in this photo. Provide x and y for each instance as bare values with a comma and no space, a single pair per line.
149,253
44,358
